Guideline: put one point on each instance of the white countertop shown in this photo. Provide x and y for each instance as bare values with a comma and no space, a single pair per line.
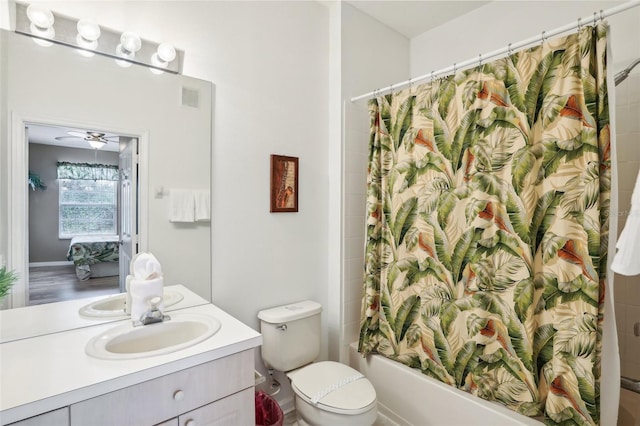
46,372
31,321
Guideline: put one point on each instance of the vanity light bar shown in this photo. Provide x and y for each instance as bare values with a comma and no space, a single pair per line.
64,30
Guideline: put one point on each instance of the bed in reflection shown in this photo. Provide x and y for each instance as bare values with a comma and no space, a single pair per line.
94,255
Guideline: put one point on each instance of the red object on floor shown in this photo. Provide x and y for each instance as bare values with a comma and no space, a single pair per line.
268,412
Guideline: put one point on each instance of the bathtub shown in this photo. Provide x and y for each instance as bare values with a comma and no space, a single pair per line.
408,397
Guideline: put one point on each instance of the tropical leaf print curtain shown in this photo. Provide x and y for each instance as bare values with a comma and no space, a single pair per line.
487,222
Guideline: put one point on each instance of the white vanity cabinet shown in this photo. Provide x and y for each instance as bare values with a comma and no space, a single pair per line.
236,409
49,380
219,392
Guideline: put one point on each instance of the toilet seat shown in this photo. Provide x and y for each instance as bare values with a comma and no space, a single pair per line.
336,387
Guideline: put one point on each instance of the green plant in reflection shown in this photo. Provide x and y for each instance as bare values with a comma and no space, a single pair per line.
7,279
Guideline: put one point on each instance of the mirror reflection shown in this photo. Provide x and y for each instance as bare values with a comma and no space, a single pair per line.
80,248
74,238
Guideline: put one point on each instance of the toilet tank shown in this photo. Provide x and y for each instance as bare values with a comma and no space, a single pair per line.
290,335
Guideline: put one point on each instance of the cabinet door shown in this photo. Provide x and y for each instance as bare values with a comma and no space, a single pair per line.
58,417
166,397
235,410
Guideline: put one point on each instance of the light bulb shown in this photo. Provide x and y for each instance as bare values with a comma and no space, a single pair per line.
123,63
88,30
40,16
96,144
130,42
49,33
42,42
166,52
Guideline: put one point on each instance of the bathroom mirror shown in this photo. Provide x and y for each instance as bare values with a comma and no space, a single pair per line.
169,115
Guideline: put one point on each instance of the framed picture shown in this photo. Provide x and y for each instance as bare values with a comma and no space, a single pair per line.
284,184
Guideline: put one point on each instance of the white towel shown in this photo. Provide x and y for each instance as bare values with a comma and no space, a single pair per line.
203,205
627,259
145,266
182,205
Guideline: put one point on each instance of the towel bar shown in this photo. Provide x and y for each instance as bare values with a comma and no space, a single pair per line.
630,384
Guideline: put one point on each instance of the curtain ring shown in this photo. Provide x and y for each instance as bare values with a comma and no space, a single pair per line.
594,19
509,49
579,24
391,88
601,15
454,68
480,59
432,75
410,83
542,40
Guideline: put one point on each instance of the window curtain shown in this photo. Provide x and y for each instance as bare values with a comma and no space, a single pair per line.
87,171
487,228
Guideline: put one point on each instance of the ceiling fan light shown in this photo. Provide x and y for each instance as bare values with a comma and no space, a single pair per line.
96,144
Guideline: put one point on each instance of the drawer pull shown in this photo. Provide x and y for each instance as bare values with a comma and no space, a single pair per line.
178,396
190,422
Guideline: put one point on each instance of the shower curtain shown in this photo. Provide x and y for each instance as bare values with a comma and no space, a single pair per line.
487,227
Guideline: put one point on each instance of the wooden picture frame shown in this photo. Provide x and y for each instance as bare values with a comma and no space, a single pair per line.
284,184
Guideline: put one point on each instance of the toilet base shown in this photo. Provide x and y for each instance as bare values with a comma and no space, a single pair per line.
309,415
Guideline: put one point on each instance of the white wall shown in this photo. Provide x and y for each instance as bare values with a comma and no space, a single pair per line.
499,23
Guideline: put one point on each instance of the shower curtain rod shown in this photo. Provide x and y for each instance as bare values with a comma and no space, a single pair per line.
508,49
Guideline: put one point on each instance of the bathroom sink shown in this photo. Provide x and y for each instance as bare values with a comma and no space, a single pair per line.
113,306
127,341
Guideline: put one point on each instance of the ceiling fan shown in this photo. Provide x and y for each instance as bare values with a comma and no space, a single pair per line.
96,139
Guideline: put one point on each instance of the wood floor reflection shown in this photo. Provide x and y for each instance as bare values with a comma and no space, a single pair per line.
49,284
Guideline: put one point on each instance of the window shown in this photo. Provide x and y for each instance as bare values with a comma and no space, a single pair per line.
88,199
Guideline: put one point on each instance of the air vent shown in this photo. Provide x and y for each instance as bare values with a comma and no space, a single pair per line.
190,97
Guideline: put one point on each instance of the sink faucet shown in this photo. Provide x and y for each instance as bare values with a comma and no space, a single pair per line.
153,314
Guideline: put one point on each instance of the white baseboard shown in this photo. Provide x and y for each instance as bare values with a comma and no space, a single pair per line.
43,264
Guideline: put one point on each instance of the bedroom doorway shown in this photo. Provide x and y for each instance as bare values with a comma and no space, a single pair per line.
82,204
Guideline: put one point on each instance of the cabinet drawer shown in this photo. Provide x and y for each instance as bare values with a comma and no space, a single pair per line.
53,418
160,399
235,410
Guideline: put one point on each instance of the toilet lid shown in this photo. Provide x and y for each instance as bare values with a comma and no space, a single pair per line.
334,387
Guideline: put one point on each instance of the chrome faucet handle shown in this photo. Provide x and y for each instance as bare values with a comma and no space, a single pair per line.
153,314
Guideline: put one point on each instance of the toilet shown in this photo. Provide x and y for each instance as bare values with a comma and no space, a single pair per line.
326,392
